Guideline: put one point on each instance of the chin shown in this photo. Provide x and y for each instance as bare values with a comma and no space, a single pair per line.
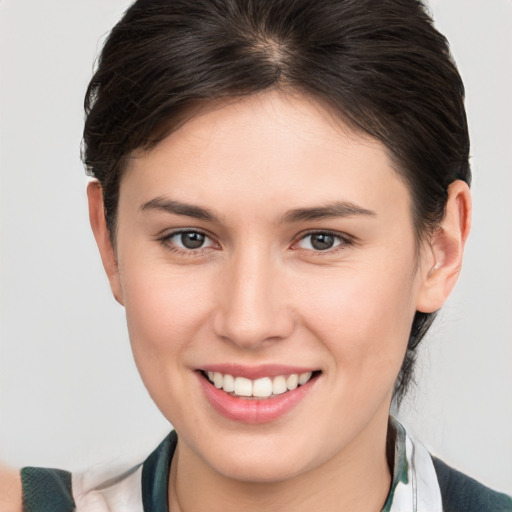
268,457
259,470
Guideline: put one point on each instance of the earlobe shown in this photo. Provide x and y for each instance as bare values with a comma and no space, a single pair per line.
102,236
442,266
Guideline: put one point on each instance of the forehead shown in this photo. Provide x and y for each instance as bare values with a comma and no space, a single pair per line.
265,150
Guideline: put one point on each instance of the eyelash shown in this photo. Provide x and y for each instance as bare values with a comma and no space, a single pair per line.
343,240
166,242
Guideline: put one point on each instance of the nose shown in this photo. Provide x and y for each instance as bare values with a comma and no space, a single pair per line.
253,304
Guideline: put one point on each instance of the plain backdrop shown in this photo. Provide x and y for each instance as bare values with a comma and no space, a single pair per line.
70,395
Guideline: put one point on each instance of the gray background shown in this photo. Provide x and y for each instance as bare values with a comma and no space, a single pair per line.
70,395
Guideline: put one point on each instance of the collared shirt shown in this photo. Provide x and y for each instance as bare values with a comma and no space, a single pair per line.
420,483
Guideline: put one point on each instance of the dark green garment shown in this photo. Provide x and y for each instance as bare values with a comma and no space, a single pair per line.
46,490
49,490
461,493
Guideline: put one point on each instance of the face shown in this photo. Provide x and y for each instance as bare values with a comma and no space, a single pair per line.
265,249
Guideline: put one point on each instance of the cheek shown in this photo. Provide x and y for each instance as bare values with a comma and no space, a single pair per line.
164,313
160,301
364,319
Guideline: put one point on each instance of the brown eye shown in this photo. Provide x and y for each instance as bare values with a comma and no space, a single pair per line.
321,241
189,240
192,239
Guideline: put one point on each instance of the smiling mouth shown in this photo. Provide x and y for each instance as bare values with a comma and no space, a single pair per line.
265,387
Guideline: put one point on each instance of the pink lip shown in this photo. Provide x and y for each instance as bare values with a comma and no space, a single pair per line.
253,411
255,372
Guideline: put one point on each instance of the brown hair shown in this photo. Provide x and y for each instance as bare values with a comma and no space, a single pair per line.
379,64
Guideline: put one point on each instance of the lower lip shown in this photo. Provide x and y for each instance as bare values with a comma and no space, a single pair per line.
253,411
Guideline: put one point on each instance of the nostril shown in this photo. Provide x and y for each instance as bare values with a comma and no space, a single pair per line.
252,330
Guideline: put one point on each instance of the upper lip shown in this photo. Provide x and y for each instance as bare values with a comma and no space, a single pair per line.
256,372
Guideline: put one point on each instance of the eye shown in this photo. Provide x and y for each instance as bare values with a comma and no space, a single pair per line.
188,240
321,241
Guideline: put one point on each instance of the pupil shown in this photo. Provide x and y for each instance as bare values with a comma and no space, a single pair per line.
322,242
192,240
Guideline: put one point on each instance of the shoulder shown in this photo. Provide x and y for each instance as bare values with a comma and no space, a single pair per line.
461,493
102,488
10,490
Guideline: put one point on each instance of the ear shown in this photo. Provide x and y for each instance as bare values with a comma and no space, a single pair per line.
443,261
102,236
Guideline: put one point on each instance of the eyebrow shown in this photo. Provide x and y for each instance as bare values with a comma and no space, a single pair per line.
179,208
330,210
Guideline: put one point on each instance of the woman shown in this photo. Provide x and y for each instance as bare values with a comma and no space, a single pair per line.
281,207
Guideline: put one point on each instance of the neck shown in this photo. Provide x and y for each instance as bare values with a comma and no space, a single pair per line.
358,478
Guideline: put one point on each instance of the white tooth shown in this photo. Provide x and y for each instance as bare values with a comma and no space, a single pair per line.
243,386
262,387
229,383
210,376
217,379
304,377
292,381
279,385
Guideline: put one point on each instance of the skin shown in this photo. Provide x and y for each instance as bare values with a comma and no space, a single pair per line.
10,490
258,292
